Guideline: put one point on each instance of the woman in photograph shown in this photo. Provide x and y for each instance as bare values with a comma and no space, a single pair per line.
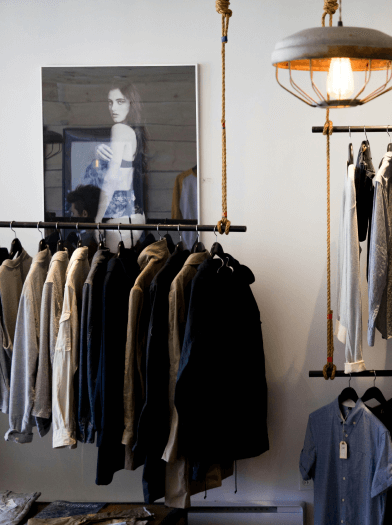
125,160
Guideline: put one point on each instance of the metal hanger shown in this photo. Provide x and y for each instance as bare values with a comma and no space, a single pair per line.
101,245
348,393
80,244
16,245
42,243
198,246
60,242
350,151
180,244
160,236
390,143
374,393
120,247
216,248
170,244
364,129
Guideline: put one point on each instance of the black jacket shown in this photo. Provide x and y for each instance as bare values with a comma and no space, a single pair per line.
109,395
153,428
221,391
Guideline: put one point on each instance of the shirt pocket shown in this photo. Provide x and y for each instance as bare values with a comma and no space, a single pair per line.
63,343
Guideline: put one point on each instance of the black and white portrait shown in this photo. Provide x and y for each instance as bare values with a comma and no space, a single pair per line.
120,146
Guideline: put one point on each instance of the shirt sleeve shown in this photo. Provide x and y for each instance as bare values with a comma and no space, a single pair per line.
23,372
64,368
382,479
378,260
308,454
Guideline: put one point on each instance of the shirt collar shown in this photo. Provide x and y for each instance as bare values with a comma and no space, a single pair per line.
79,254
385,171
197,258
158,250
43,256
354,415
14,263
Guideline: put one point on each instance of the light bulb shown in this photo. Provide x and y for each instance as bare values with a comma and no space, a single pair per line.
340,80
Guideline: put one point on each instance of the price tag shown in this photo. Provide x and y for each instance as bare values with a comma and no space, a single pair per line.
343,450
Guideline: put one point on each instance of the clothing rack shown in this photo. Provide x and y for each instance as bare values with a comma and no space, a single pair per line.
366,373
121,226
354,129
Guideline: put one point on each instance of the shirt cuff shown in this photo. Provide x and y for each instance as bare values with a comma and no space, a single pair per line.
381,488
358,366
127,437
18,437
304,473
371,335
340,331
64,438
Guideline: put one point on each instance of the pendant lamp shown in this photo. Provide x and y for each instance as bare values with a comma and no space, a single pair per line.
339,52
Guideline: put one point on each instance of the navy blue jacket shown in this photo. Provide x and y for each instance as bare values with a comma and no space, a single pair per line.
109,396
221,390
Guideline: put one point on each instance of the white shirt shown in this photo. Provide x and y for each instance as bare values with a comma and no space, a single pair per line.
349,319
66,356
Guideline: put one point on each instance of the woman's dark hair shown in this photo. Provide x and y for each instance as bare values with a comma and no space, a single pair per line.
135,120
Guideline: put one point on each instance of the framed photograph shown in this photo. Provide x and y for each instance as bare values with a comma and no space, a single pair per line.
121,145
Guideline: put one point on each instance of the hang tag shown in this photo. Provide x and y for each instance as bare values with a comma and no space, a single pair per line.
343,450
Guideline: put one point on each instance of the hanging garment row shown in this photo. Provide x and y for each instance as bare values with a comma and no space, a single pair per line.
365,215
157,357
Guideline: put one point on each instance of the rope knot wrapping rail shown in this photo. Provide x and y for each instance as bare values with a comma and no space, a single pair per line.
222,7
330,8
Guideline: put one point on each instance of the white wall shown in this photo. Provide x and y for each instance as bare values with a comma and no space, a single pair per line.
276,185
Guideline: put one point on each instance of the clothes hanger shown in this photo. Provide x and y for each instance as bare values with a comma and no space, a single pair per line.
347,394
60,242
374,393
390,143
120,247
216,248
16,245
180,244
350,151
198,246
42,243
79,244
170,244
101,245
159,233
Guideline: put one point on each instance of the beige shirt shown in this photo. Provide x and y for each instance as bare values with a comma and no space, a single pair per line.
178,488
66,356
150,261
51,308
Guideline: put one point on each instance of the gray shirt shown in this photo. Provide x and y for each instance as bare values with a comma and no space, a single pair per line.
51,307
380,258
25,352
13,273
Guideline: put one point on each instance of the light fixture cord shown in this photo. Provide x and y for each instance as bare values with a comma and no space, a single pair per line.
330,8
222,7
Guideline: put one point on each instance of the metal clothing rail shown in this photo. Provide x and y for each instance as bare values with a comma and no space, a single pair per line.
121,226
366,373
354,129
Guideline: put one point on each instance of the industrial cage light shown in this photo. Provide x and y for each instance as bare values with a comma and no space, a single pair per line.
338,51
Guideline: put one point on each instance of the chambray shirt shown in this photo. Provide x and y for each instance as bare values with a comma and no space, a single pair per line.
348,491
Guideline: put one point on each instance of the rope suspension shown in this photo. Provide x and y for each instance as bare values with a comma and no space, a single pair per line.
222,7
330,8
329,370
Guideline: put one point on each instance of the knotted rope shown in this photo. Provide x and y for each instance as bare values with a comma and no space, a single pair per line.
328,129
222,7
330,8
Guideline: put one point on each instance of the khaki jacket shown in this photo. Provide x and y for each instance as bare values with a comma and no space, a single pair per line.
179,489
150,261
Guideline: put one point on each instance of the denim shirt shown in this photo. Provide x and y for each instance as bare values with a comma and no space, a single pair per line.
349,491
